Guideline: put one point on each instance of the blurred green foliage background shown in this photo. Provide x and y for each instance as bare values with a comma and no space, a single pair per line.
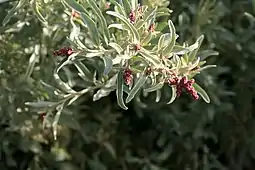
186,135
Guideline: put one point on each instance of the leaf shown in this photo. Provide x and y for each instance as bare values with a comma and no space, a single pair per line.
66,61
193,54
35,8
107,65
134,3
154,88
85,74
202,92
101,18
119,7
15,8
116,46
173,97
127,6
206,67
158,96
92,28
150,57
179,50
110,149
147,17
147,39
32,61
119,91
162,41
132,29
41,104
107,89
118,26
142,79
74,5
163,12
56,119
207,53
166,51
65,87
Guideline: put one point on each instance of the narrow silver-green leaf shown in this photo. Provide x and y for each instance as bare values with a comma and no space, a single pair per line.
107,65
164,38
15,8
193,54
92,28
207,53
142,79
84,71
147,17
56,119
168,49
127,6
132,29
201,92
173,97
154,88
119,91
101,18
35,7
150,57
65,87
147,39
66,61
116,46
118,26
134,3
119,8
179,50
206,67
41,104
74,4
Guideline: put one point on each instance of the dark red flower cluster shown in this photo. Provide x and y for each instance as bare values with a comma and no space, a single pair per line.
128,77
132,17
151,28
184,84
66,51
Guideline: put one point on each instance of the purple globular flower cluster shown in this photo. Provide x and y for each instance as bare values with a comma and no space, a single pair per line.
183,84
66,51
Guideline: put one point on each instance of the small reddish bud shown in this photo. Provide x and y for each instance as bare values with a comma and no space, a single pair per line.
151,28
148,71
107,5
42,116
137,47
75,14
132,17
128,77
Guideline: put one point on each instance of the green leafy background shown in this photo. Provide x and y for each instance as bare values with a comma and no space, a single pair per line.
149,135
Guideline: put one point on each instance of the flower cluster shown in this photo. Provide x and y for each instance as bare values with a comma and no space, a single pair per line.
184,84
128,77
66,51
132,17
